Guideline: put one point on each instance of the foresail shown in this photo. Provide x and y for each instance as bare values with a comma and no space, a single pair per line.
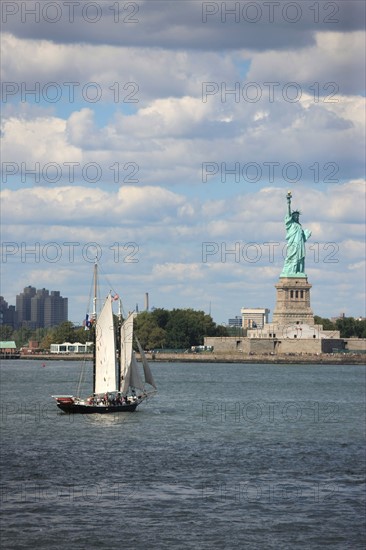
135,378
147,372
126,352
105,350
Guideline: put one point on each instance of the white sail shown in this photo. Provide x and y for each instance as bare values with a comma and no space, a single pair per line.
135,378
147,372
105,351
126,352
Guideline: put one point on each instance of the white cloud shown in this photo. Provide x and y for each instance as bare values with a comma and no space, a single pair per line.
159,144
156,73
339,59
41,140
80,205
178,272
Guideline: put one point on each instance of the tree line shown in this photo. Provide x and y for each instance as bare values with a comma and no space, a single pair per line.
175,329
161,328
349,327
65,332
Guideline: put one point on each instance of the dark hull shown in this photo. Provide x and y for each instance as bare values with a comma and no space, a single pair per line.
74,408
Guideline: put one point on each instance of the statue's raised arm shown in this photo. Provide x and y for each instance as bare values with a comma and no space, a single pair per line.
296,237
288,197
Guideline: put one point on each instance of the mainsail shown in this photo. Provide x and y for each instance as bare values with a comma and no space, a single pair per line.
105,351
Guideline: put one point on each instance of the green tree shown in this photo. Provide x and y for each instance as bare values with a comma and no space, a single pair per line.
161,317
327,323
350,327
188,327
176,329
148,332
81,335
157,338
64,333
6,332
47,340
361,328
345,326
22,336
222,331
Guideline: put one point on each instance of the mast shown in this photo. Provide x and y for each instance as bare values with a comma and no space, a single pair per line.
94,317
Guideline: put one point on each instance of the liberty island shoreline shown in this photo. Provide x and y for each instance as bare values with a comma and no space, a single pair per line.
321,359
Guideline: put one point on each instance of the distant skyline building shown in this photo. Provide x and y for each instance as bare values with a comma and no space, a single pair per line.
23,306
55,309
40,308
37,308
7,313
235,321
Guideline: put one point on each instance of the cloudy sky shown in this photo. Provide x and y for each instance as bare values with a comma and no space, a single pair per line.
163,136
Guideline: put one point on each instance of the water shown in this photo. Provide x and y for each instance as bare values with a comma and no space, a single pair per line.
225,456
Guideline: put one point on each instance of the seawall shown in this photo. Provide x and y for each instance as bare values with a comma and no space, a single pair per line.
326,359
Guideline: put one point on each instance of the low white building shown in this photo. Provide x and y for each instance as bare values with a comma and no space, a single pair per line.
67,347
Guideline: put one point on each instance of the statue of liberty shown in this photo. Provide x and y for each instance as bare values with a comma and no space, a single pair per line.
296,237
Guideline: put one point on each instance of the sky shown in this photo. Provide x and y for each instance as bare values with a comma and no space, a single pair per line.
162,137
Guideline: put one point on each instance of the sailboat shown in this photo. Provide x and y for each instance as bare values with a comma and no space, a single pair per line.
117,382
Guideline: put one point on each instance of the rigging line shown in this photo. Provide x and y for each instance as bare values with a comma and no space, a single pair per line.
110,284
107,280
124,313
81,376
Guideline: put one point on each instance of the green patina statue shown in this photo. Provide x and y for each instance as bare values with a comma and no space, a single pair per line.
296,237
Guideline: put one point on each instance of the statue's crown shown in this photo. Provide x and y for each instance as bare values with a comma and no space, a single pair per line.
296,212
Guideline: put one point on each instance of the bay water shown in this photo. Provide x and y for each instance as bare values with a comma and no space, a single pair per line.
225,456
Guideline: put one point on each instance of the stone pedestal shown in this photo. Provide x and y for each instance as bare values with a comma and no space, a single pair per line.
293,302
